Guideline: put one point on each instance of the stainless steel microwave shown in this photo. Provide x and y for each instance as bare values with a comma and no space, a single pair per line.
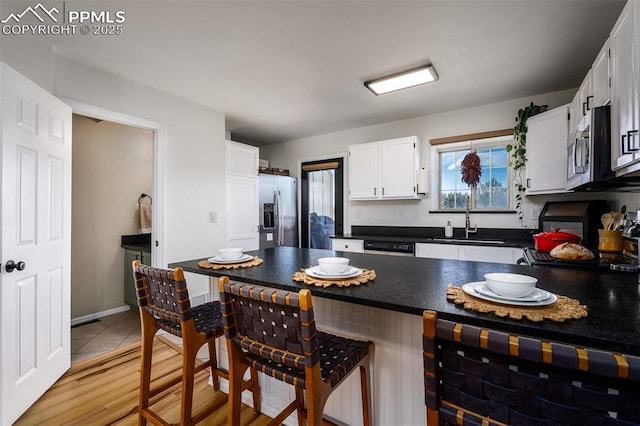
589,152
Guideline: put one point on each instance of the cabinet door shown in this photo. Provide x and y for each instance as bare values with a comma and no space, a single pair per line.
341,244
600,77
547,135
363,171
574,117
128,286
507,255
242,211
398,165
622,94
438,251
241,159
585,94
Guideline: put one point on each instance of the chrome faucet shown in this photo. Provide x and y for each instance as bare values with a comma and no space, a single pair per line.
467,225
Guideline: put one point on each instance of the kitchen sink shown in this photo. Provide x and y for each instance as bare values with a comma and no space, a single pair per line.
470,241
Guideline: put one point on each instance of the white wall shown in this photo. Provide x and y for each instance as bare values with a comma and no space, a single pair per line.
288,155
112,166
194,143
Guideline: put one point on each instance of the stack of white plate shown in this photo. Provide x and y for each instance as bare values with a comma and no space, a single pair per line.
538,297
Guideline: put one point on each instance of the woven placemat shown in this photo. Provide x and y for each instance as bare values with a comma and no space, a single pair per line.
247,264
366,276
563,309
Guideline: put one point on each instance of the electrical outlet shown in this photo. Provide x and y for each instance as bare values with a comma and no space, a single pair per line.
399,214
415,214
535,213
213,217
358,214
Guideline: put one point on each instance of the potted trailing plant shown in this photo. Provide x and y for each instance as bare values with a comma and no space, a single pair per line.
518,152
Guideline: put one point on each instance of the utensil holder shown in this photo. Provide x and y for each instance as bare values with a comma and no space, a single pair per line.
610,241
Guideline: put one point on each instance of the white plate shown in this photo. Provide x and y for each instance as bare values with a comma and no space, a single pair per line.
218,259
316,272
538,295
470,288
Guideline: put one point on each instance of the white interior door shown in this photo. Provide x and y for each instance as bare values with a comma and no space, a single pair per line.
36,230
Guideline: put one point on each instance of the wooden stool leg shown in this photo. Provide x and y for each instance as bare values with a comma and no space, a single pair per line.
236,372
190,351
148,331
255,391
365,384
213,356
300,409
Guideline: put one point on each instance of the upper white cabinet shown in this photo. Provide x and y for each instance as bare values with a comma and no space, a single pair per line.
575,115
601,78
585,95
241,159
625,87
384,170
547,134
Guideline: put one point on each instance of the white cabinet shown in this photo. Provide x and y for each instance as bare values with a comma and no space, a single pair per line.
547,135
363,171
437,251
472,253
241,196
241,159
585,95
574,117
625,85
601,78
341,244
508,255
385,170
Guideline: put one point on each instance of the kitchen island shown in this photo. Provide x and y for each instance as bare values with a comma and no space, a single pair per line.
388,311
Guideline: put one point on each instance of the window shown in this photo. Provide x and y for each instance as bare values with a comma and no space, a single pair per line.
492,193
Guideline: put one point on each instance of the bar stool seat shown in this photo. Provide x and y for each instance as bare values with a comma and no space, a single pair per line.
274,331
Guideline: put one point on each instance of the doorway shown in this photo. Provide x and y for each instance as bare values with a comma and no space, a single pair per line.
322,202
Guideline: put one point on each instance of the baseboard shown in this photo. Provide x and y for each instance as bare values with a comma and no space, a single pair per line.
98,315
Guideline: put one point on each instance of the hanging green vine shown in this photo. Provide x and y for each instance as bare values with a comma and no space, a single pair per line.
518,153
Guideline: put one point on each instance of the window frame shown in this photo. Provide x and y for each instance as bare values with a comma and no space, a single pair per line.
493,142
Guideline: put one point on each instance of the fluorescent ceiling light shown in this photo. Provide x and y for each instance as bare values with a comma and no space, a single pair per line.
414,77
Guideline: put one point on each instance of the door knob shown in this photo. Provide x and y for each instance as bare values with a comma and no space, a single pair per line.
11,265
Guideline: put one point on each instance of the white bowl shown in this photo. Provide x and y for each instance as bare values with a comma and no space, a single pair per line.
333,265
230,253
512,285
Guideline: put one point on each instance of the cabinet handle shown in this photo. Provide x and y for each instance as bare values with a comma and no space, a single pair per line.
584,105
528,183
630,135
622,138
374,191
382,190
589,106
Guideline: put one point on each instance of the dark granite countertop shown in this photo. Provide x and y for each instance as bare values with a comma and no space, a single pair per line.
412,285
408,234
140,242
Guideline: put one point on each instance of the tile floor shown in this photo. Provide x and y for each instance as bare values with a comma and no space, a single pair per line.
107,334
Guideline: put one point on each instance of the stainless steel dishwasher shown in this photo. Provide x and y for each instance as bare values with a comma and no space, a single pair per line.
390,248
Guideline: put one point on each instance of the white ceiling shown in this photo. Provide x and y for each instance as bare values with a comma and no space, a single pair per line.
286,70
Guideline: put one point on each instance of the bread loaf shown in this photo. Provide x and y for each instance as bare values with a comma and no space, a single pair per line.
571,251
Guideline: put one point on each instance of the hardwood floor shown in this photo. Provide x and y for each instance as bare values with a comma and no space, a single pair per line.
104,391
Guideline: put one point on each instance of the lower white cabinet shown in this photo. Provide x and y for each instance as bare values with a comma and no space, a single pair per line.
342,244
473,253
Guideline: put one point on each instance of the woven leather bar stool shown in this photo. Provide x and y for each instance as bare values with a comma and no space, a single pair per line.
275,332
164,304
477,375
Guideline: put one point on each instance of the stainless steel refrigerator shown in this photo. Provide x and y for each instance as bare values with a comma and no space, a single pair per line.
278,211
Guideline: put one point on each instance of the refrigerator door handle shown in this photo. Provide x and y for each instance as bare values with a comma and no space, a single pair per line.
276,200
